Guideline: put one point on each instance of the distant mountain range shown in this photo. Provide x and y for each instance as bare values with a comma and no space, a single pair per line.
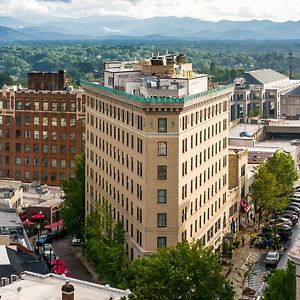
157,28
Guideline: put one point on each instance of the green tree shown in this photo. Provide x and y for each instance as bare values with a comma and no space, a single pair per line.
73,212
281,284
105,244
187,272
267,192
282,165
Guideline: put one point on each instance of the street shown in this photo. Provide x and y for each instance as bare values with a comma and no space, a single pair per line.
70,254
260,270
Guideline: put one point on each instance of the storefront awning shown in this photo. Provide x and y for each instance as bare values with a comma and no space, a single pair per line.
54,225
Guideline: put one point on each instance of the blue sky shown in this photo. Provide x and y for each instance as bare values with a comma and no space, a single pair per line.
276,10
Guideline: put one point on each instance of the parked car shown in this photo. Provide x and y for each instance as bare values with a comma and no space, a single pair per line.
293,209
281,220
76,241
291,216
284,231
48,251
272,258
43,239
295,203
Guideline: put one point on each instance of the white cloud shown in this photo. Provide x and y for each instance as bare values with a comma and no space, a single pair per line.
276,10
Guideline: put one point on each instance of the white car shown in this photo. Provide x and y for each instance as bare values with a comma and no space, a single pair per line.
48,251
272,258
76,241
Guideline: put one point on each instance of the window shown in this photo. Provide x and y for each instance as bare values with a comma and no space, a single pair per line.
53,149
54,122
27,120
26,147
54,136
18,105
72,164
162,125
161,242
35,161
36,121
63,122
27,134
54,106
72,106
27,105
162,220
45,121
18,133
63,106
162,148
53,163
72,136
62,163
26,161
18,160
162,173
44,162
36,105
72,149
18,147
45,148
62,136
162,196
45,106
45,134
36,134
26,174
62,149
72,122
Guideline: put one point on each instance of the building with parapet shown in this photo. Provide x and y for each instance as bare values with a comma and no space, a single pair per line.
41,132
259,92
156,151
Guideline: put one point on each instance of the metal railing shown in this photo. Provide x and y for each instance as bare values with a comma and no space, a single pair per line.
97,86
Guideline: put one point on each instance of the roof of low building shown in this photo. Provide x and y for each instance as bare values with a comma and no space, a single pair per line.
263,76
45,287
294,92
15,262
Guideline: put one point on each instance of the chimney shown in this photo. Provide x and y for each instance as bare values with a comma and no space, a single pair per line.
67,291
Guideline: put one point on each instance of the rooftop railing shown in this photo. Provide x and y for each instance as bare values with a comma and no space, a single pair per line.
85,83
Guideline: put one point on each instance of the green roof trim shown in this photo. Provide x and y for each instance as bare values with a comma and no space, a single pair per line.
88,84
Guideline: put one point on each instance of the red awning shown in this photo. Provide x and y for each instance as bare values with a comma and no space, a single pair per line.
245,205
54,225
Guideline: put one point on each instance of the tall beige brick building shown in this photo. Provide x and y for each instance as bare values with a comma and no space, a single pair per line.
157,151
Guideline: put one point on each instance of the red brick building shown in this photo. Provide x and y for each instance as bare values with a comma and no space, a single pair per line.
51,81
40,134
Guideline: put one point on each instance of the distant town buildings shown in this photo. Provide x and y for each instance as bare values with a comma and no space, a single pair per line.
157,152
41,130
259,93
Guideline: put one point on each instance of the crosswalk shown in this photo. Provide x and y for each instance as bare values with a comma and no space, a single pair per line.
255,280
251,259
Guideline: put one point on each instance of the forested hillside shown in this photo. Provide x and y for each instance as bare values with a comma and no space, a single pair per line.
224,60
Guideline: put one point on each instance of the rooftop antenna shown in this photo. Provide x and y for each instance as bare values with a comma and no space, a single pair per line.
290,60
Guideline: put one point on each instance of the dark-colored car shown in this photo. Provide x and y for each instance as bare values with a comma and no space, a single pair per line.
44,239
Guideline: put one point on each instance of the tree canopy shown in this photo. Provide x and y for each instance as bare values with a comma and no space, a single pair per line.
73,212
281,284
282,165
105,244
186,271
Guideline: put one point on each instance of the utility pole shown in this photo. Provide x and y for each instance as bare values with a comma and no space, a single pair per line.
290,60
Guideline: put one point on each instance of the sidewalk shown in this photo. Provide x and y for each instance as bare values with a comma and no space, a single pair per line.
243,259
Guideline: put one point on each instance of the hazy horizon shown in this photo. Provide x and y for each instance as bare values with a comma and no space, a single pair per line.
35,11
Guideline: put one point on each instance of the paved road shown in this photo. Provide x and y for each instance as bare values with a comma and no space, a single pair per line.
64,250
260,270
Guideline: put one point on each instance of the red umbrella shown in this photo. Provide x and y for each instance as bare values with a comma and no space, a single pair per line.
27,222
38,216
